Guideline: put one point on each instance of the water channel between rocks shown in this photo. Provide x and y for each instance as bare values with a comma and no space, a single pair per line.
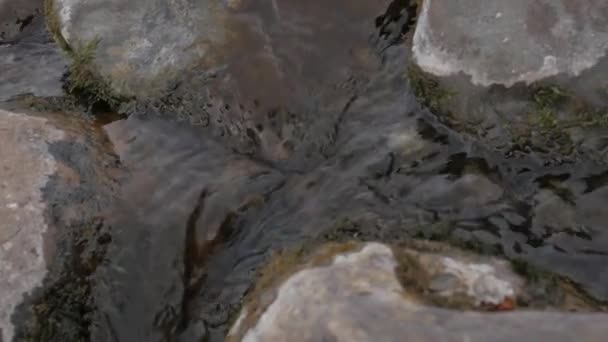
310,132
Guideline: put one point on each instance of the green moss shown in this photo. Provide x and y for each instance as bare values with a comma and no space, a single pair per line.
427,90
546,104
53,25
590,118
63,309
546,100
552,132
84,80
549,97
527,270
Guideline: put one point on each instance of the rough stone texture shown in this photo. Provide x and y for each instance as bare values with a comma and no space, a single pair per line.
505,42
483,282
25,168
357,297
517,74
30,62
31,68
15,15
142,42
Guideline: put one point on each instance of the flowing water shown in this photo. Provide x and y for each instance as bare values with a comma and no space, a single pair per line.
310,132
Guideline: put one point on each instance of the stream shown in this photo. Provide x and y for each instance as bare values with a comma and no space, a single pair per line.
309,132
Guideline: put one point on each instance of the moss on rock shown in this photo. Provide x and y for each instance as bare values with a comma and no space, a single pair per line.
428,90
83,79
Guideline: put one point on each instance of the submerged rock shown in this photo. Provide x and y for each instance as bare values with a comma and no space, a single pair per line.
31,68
367,292
30,62
26,168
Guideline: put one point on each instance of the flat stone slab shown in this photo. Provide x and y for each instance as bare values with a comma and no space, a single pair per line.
506,42
25,168
359,295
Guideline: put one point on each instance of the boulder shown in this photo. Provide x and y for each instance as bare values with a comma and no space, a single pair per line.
498,42
26,168
364,292
523,75
138,45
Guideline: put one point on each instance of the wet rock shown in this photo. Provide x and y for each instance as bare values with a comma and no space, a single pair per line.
364,292
469,191
142,44
30,62
26,167
15,16
31,68
184,200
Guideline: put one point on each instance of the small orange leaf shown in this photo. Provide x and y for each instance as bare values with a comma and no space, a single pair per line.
507,305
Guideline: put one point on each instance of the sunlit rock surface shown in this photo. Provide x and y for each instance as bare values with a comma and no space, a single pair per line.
371,292
505,42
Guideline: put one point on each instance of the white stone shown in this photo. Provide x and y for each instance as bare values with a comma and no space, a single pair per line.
481,281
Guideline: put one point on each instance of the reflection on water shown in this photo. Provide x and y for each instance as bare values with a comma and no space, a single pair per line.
316,126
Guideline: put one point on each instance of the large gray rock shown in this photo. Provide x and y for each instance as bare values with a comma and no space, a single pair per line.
15,16
517,75
25,169
359,295
143,43
505,42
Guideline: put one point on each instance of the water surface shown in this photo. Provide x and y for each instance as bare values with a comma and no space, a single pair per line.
308,131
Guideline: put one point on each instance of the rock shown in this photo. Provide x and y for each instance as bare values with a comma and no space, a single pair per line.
498,42
180,204
30,62
26,168
31,68
518,74
15,16
472,195
57,178
140,42
372,292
